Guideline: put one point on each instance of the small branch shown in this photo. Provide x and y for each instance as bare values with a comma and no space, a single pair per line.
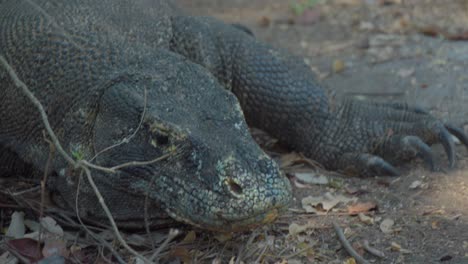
33,189
347,246
95,236
124,165
109,216
147,224
371,250
173,233
43,186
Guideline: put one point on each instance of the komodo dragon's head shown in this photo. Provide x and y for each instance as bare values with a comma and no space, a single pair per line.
215,176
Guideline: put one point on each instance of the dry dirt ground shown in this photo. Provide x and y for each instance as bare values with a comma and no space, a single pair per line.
405,50
414,51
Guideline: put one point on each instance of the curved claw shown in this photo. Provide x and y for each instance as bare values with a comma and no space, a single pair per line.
422,149
385,168
459,133
449,147
380,166
366,164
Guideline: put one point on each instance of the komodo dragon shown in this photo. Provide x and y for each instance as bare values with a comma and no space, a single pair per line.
112,71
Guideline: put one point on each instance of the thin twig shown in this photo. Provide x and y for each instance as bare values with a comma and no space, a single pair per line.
173,233
95,236
43,186
146,217
109,216
68,158
347,246
124,165
371,250
33,189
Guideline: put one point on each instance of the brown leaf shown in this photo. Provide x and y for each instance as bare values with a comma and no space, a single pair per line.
190,237
264,21
182,253
324,203
357,208
26,247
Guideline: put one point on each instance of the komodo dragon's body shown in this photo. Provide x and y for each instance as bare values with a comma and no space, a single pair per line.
112,71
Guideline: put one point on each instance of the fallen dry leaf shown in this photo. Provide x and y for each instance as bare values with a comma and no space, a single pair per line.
16,228
181,253
295,229
387,226
311,178
50,225
325,203
190,237
357,208
396,247
26,247
366,219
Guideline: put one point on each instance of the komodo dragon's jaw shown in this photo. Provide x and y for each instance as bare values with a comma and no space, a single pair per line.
215,176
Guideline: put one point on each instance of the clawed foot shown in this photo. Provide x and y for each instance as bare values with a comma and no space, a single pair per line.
394,133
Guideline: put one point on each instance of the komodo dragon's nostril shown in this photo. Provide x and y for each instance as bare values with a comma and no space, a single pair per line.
234,187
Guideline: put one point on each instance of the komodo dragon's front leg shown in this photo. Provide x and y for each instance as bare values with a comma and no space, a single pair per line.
279,94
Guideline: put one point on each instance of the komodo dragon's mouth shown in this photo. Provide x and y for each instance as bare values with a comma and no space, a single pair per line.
242,224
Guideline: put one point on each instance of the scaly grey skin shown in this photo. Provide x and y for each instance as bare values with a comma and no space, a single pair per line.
90,63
